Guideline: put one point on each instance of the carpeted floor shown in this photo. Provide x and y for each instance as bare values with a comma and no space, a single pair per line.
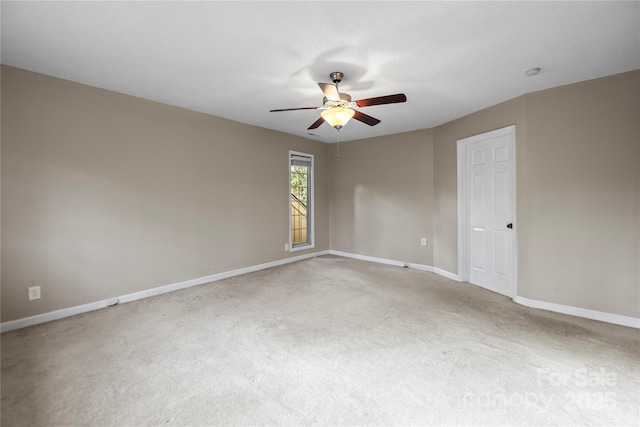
326,341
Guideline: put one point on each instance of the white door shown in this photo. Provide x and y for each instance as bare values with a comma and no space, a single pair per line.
490,205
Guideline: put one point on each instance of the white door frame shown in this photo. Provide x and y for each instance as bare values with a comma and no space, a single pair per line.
464,237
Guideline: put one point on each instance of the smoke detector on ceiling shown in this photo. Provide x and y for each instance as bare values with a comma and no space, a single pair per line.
532,72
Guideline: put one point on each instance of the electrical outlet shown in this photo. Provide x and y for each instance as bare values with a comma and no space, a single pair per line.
34,293
423,241
286,246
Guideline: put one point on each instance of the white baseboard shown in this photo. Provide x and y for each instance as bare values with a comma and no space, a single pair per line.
84,308
382,260
445,273
632,322
422,267
616,319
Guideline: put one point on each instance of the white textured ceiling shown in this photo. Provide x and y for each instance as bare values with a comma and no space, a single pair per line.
238,60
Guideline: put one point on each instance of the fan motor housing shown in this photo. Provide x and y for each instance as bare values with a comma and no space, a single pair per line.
336,76
345,101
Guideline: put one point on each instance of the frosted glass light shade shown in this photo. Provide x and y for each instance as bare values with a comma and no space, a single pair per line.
337,116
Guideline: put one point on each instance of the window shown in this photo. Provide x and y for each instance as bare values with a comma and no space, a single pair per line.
300,201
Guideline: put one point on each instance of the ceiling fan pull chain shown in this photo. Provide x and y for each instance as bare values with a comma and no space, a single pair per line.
338,155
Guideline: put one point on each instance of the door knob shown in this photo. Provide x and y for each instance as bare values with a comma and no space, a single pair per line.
510,225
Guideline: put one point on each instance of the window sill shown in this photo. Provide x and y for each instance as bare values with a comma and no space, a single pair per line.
302,247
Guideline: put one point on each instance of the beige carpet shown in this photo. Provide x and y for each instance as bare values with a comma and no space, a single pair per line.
327,341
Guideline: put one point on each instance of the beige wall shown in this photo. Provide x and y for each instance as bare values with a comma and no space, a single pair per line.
105,194
583,190
381,197
578,192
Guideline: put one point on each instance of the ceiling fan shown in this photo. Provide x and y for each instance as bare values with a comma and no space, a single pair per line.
338,108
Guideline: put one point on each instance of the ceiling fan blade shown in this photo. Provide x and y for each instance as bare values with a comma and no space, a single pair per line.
389,99
371,121
316,124
330,91
293,109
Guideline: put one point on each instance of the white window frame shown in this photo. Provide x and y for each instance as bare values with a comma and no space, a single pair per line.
311,216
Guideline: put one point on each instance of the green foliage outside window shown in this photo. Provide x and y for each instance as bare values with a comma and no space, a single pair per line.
299,182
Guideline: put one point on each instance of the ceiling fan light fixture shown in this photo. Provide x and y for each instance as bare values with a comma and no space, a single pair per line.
337,116
338,108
